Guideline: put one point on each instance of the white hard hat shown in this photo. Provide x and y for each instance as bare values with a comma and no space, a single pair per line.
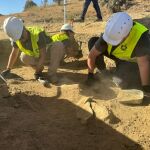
66,27
13,27
117,28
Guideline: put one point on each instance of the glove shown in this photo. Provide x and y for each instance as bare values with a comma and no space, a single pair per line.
90,79
5,72
37,75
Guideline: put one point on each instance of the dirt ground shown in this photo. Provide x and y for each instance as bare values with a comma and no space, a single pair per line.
33,117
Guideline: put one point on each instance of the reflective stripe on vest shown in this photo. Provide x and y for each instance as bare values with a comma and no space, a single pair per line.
125,49
34,33
59,37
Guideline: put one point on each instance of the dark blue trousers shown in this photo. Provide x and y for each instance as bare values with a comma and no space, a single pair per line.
95,5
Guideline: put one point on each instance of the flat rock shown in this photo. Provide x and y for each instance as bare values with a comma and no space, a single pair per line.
101,112
87,108
131,96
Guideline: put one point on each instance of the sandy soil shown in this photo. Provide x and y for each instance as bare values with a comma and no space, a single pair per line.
33,117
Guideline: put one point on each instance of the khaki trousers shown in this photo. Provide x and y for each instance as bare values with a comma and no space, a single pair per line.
55,53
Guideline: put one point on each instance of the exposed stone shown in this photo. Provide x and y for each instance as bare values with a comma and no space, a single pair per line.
131,96
89,108
101,112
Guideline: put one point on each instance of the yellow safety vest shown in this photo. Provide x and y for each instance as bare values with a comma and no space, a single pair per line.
34,32
125,49
59,37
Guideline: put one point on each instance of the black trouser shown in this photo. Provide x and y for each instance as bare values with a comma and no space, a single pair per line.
127,72
95,5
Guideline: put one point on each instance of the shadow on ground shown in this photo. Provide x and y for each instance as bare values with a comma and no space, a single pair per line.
49,123
102,89
13,76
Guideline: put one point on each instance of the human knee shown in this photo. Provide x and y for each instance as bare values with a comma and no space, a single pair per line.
27,60
57,49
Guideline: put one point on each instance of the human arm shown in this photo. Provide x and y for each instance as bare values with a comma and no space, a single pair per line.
42,57
144,68
91,59
12,58
11,61
42,52
98,46
91,66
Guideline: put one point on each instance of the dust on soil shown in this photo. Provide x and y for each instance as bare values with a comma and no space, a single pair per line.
33,117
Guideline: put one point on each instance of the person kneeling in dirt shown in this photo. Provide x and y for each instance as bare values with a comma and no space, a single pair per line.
126,42
32,42
66,36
